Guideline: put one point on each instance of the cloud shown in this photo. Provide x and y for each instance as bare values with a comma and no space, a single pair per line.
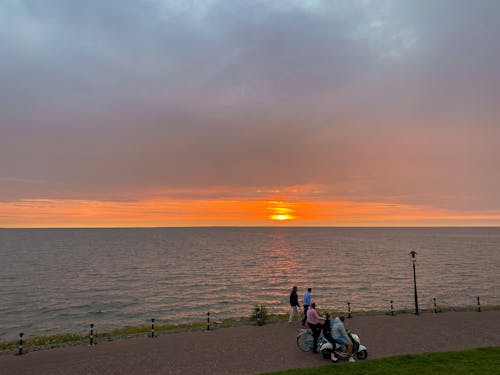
372,101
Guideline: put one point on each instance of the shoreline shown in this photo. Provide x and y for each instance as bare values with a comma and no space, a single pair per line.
250,349
58,340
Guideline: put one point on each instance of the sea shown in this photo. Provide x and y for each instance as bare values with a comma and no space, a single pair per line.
62,280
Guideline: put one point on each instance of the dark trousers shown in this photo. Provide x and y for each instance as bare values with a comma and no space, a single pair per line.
316,330
328,336
306,307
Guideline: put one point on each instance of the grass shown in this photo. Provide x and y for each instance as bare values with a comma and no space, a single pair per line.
47,341
259,315
424,310
476,361
38,342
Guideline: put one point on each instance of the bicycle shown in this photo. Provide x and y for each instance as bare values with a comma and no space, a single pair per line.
305,340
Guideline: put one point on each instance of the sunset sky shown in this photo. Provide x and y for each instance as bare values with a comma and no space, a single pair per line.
278,112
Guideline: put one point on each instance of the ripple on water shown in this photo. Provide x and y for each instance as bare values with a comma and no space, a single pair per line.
61,280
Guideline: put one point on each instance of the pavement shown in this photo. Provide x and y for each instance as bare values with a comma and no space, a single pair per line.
252,349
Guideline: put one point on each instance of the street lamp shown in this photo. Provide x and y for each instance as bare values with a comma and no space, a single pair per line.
414,259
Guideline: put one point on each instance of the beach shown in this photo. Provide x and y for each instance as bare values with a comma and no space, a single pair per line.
252,349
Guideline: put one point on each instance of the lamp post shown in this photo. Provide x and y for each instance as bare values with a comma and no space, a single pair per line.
414,260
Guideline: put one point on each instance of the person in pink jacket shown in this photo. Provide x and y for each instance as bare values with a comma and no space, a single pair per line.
315,322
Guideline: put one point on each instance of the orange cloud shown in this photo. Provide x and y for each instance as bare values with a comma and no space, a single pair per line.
237,211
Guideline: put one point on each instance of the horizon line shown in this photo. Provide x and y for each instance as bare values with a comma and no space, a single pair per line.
263,226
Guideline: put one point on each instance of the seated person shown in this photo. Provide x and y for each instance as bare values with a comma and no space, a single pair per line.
340,335
327,334
313,320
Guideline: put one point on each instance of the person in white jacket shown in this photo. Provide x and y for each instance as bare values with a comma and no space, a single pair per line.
340,335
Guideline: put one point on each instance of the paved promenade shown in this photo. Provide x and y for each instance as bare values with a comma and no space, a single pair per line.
251,349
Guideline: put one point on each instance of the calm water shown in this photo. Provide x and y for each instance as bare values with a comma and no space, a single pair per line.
61,280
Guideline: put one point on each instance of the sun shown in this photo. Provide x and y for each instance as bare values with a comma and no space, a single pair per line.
280,211
281,217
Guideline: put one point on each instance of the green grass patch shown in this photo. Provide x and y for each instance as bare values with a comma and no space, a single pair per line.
46,341
43,341
146,329
476,361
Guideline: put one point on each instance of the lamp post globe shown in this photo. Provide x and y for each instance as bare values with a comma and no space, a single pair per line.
414,260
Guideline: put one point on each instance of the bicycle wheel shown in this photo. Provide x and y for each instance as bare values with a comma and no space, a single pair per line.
305,341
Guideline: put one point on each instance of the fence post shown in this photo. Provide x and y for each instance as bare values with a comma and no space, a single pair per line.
349,310
259,311
152,327
435,306
208,321
20,352
478,305
392,309
91,334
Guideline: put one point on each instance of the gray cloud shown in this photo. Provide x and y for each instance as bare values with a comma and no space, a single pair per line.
374,100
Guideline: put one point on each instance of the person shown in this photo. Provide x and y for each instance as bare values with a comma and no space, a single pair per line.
294,304
307,302
313,321
327,334
340,335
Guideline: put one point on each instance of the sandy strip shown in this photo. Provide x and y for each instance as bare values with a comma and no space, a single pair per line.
251,349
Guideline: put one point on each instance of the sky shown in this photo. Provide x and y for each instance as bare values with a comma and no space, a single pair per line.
234,112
